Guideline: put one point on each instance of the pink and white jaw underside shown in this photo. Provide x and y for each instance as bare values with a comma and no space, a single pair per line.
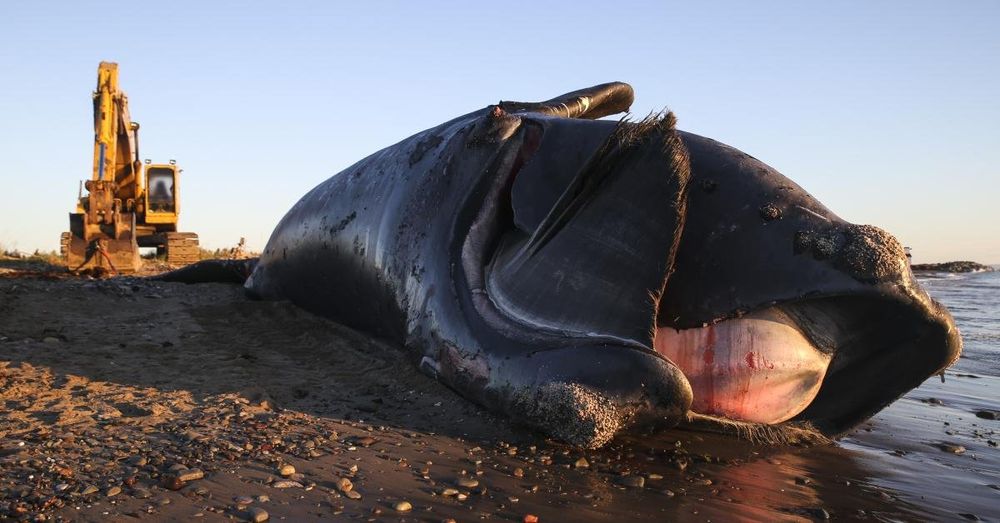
759,368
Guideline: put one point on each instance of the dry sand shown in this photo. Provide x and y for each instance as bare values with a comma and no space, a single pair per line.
125,399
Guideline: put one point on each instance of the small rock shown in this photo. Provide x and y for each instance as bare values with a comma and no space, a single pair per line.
344,485
632,481
467,483
951,448
88,490
142,493
581,463
986,414
403,506
190,475
286,470
353,494
448,492
284,483
519,472
530,518
172,483
461,496
653,477
257,515
113,491
263,498
243,500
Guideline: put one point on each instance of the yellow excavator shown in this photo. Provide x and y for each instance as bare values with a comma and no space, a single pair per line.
129,204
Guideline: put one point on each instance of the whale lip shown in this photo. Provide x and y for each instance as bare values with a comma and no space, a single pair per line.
882,347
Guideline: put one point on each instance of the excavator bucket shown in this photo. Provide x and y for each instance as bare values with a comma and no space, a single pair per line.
111,249
106,255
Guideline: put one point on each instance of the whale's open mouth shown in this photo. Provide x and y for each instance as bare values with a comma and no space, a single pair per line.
759,368
830,361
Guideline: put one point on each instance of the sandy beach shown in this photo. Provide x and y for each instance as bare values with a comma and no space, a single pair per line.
125,399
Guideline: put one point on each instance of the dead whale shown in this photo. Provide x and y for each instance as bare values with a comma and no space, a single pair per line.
588,277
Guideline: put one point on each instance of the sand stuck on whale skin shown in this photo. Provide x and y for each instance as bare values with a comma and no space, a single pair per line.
126,399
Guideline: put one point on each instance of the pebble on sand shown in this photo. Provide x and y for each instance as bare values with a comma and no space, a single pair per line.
468,483
581,463
286,470
344,485
403,506
113,491
190,475
257,515
632,481
172,483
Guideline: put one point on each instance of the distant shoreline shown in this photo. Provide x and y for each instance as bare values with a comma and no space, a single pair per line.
952,266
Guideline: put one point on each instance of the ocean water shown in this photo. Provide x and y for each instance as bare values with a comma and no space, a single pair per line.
974,301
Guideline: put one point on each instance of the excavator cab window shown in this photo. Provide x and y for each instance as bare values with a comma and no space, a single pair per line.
160,183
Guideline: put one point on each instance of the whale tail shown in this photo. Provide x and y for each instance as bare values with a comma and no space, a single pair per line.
211,271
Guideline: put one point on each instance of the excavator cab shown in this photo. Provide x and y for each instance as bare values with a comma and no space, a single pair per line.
162,205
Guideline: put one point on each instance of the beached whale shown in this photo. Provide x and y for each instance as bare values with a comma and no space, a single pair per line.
588,277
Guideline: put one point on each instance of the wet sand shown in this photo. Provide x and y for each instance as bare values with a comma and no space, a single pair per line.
126,399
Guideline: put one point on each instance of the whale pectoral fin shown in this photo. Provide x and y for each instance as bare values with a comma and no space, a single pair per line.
597,260
590,103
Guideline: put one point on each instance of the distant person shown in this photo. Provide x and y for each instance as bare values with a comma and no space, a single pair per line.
160,199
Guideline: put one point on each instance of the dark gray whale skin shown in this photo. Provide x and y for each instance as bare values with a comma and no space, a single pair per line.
524,254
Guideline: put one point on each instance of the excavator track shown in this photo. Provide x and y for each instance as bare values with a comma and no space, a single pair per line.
64,241
182,248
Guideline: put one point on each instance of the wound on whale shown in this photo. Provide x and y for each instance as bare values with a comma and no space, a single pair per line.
589,276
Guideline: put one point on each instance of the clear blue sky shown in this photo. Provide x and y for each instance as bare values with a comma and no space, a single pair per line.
888,112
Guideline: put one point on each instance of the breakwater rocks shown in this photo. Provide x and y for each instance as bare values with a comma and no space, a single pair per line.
952,266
